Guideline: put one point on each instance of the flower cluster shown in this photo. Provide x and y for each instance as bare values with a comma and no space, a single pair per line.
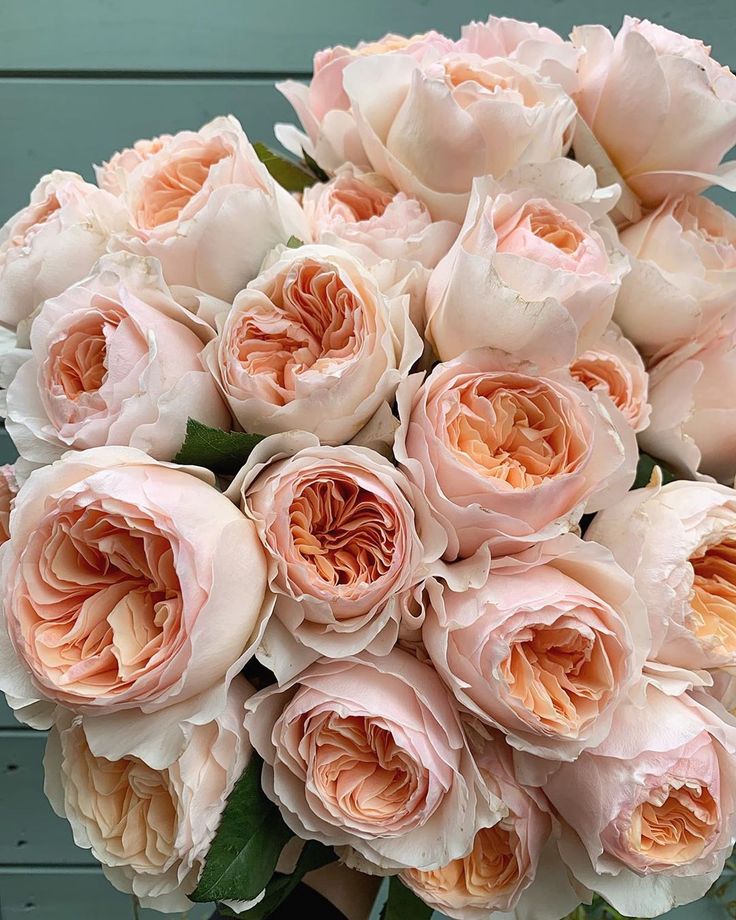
338,479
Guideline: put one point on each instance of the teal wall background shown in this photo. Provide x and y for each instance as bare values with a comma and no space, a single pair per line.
82,78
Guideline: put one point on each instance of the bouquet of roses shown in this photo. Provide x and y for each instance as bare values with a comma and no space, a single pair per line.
326,540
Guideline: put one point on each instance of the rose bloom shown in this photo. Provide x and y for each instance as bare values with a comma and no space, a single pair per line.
348,536
53,242
693,422
661,108
504,859
508,454
112,175
679,543
535,269
312,343
652,810
369,753
323,108
115,360
150,825
613,366
683,266
545,649
128,585
194,205
431,126
8,490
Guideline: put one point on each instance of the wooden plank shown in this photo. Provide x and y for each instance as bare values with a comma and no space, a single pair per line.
70,124
230,35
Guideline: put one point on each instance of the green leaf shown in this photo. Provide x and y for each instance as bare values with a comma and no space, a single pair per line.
249,840
313,856
403,904
217,450
646,467
315,167
294,242
289,174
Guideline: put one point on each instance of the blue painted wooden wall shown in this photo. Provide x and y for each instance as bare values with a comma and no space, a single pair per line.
81,78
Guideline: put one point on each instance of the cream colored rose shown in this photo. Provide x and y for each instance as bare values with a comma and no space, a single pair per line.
150,825
312,343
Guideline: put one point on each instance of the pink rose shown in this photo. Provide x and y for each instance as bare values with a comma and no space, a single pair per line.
149,824
207,209
613,366
348,537
113,175
661,108
369,753
8,490
53,242
508,454
651,811
312,343
535,270
323,108
432,125
693,422
544,650
679,543
115,360
683,265
504,859
128,584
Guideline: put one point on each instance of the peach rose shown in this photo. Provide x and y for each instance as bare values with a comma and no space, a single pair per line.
8,490
432,125
348,537
207,209
369,753
651,811
53,242
533,45
112,175
535,270
150,825
115,360
683,266
661,108
693,422
323,108
508,454
546,649
504,859
614,367
128,585
679,544
312,343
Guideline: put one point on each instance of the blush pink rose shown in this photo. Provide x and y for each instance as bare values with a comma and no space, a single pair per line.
535,270
323,107
312,343
8,491
113,174
679,544
207,208
651,811
128,585
683,266
693,422
613,366
661,108
544,650
115,360
508,454
369,753
150,825
53,242
349,538
432,125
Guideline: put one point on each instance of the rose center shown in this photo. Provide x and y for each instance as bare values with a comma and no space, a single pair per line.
713,603
675,825
358,201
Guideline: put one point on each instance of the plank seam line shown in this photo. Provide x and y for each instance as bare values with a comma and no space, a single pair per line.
143,75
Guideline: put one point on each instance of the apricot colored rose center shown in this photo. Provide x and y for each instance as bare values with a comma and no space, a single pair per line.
599,370
675,825
461,74
166,193
358,201
342,532
388,44
559,673
713,602
515,429
78,360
